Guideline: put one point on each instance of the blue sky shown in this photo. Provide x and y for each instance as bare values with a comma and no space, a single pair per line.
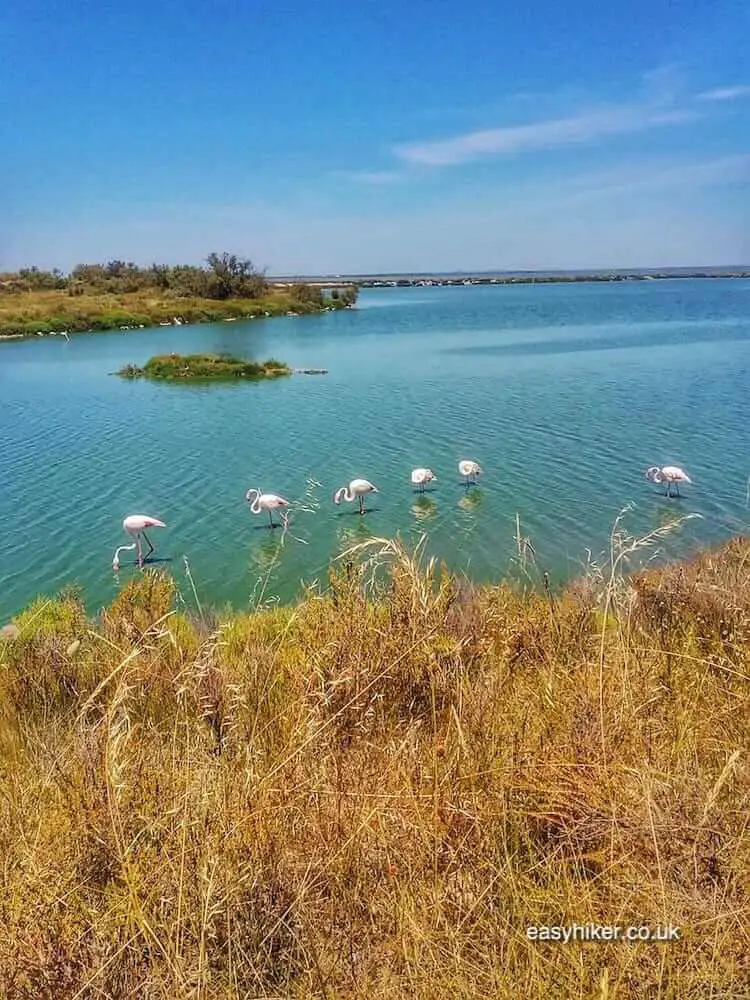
376,136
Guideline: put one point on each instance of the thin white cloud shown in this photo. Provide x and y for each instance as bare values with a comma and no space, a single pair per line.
725,93
373,177
646,177
664,84
517,139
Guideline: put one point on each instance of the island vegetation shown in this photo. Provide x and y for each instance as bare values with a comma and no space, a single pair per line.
206,368
120,295
375,793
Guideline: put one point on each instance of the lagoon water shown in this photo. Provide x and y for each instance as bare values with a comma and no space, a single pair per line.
563,393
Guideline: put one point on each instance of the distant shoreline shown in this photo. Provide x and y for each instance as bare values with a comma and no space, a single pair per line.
516,278
130,312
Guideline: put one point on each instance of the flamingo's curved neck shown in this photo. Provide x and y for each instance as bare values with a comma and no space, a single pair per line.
122,548
255,505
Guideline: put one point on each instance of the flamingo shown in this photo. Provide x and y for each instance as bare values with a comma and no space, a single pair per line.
356,488
420,477
266,501
668,474
135,525
470,470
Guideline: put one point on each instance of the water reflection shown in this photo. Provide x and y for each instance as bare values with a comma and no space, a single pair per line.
355,531
472,500
266,556
423,507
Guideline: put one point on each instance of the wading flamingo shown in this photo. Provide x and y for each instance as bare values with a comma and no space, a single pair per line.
668,474
266,501
420,478
135,525
356,488
470,470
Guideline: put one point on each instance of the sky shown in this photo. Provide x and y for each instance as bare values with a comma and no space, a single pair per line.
373,136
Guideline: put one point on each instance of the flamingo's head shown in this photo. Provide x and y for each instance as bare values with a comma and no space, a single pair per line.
653,474
115,564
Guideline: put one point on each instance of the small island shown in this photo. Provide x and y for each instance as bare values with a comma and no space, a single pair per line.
205,368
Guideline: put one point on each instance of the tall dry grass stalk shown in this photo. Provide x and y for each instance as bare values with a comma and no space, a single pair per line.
375,792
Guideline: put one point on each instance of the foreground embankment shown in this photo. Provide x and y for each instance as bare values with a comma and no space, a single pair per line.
378,797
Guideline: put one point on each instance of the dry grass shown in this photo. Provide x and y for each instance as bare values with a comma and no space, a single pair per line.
373,794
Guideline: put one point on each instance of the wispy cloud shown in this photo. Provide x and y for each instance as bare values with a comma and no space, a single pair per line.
516,139
646,177
725,93
373,177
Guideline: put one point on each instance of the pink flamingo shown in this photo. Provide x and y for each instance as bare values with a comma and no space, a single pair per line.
356,488
135,525
668,474
266,501
420,478
470,470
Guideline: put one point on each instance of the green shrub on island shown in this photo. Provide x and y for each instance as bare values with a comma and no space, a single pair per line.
219,367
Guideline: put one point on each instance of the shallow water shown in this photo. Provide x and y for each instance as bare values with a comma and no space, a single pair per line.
563,393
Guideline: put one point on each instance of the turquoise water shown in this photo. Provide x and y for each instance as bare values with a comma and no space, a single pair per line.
564,394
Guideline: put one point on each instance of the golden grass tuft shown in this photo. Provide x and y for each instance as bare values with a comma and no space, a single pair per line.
374,793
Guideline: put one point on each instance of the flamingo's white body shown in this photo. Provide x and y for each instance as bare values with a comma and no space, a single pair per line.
357,488
668,474
266,501
469,470
135,525
420,478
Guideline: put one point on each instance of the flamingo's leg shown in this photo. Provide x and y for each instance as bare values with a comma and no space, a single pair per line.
362,503
140,550
677,487
150,546
270,519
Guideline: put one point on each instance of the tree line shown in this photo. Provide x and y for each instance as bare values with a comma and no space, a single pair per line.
222,276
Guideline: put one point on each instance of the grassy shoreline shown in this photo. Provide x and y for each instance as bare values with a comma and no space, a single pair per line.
376,795
27,314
